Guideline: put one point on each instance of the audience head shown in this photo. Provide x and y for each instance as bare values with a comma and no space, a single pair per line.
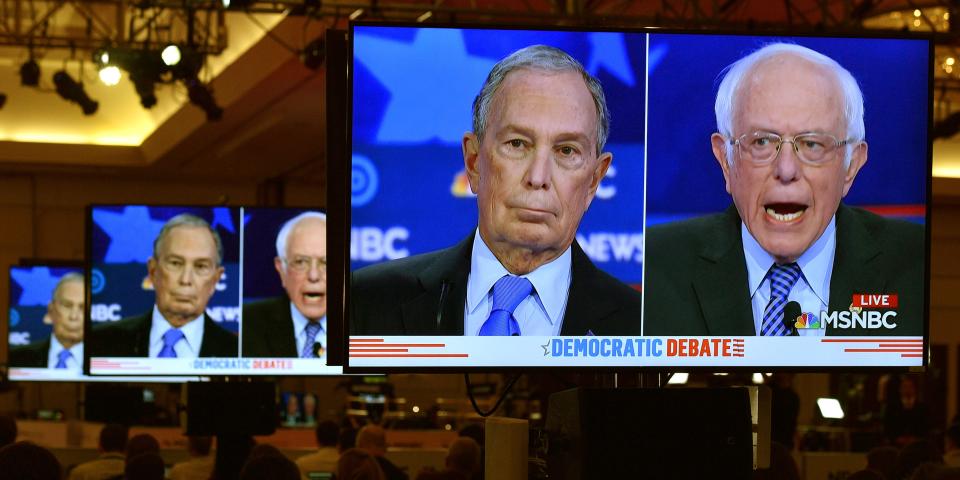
8,430
145,466
884,461
327,433
232,454
28,461
474,431
372,439
347,439
915,454
464,456
264,450
113,438
358,464
269,466
782,466
199,445
141,444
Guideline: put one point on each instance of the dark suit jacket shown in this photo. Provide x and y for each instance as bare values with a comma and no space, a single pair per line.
425,295
33,355
130,337
268,329
696,275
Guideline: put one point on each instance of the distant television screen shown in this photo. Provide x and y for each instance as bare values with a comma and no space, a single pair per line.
497,219
208,290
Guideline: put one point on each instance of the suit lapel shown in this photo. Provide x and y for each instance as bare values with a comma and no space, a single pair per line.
721,283
585,308
854,268
141,335
439,309
283,339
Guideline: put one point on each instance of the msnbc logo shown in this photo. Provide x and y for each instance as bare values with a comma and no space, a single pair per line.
807,320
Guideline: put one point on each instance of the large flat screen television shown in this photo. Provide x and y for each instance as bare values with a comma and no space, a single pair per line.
45,324
201,290
617,199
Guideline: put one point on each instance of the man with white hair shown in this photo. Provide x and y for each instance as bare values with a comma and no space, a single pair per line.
295,324
790,144
64,348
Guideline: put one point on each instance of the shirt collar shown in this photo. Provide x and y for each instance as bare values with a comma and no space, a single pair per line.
815,263
56,347
550,280
300,321
192,331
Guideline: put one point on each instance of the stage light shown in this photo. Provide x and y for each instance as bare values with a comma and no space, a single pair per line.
171,55
71,91
110,75
830,408
679,379
200,96
30,73
313,54
236,4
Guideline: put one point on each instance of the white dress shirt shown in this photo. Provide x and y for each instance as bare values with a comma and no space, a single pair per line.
812,290
187,347
74,362
541,313
300,330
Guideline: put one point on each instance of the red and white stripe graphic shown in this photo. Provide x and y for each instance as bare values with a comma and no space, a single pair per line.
380,348
906,347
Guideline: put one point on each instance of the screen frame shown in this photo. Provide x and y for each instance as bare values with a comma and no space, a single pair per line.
340,204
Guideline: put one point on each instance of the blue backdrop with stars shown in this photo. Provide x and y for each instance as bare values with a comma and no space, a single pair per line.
413,90
31,289
122,242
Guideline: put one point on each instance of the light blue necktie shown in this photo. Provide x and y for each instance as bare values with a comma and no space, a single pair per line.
782,279
312,330
170,339
62,358
508,292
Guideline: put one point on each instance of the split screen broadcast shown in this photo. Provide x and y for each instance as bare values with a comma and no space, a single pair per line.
525,198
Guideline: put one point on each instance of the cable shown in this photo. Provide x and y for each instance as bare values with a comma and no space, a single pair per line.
496,406
272,35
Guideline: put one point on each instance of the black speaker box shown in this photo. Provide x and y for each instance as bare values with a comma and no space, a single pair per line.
231,408
649,433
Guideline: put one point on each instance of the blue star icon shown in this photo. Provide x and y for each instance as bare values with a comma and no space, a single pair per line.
609,50
36,285
131,233
445,74
222,217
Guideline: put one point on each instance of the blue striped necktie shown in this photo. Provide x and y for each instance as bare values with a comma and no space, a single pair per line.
508,292
62,358
782,279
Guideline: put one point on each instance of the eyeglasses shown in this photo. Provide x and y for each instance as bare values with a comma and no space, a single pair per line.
762,148
303,263
176,266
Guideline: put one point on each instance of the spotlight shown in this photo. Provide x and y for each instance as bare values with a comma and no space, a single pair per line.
170,55
110,75
236,4
200,96
30,73
313,54
71,91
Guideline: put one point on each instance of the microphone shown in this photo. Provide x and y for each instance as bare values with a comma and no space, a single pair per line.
790,313
317,349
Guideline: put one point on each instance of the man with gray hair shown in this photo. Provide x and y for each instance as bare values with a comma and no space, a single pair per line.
295,324
64,348
534,159
184,269
790,143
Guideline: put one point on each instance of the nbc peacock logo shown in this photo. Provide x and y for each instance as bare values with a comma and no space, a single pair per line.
807,320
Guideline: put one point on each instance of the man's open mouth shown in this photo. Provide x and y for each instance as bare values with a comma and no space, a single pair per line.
313,296
785,212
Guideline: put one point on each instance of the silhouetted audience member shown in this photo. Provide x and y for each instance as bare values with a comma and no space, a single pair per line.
951,446
883,460
325,458
935,471
915,454
347,439
8,430
782,465
373,439
145,466
28,461
866,474
232,454
462,462
477,433
264,450
907,419
200,464
111,462
267,465
784,409
142,443
358,464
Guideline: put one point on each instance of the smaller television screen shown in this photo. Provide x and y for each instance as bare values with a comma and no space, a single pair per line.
45,321
200,290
